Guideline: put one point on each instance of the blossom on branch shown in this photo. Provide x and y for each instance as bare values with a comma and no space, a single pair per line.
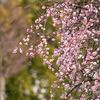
77,26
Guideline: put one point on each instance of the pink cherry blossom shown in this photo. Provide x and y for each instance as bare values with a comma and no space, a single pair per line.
77,55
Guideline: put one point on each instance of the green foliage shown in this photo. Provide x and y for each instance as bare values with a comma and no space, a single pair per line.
20,87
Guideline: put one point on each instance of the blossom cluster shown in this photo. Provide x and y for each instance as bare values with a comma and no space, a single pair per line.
77,24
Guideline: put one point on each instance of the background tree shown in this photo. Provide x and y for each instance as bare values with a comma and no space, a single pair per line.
9,36
12,16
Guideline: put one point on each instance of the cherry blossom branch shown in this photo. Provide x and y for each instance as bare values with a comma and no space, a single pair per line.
80,85
73,89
